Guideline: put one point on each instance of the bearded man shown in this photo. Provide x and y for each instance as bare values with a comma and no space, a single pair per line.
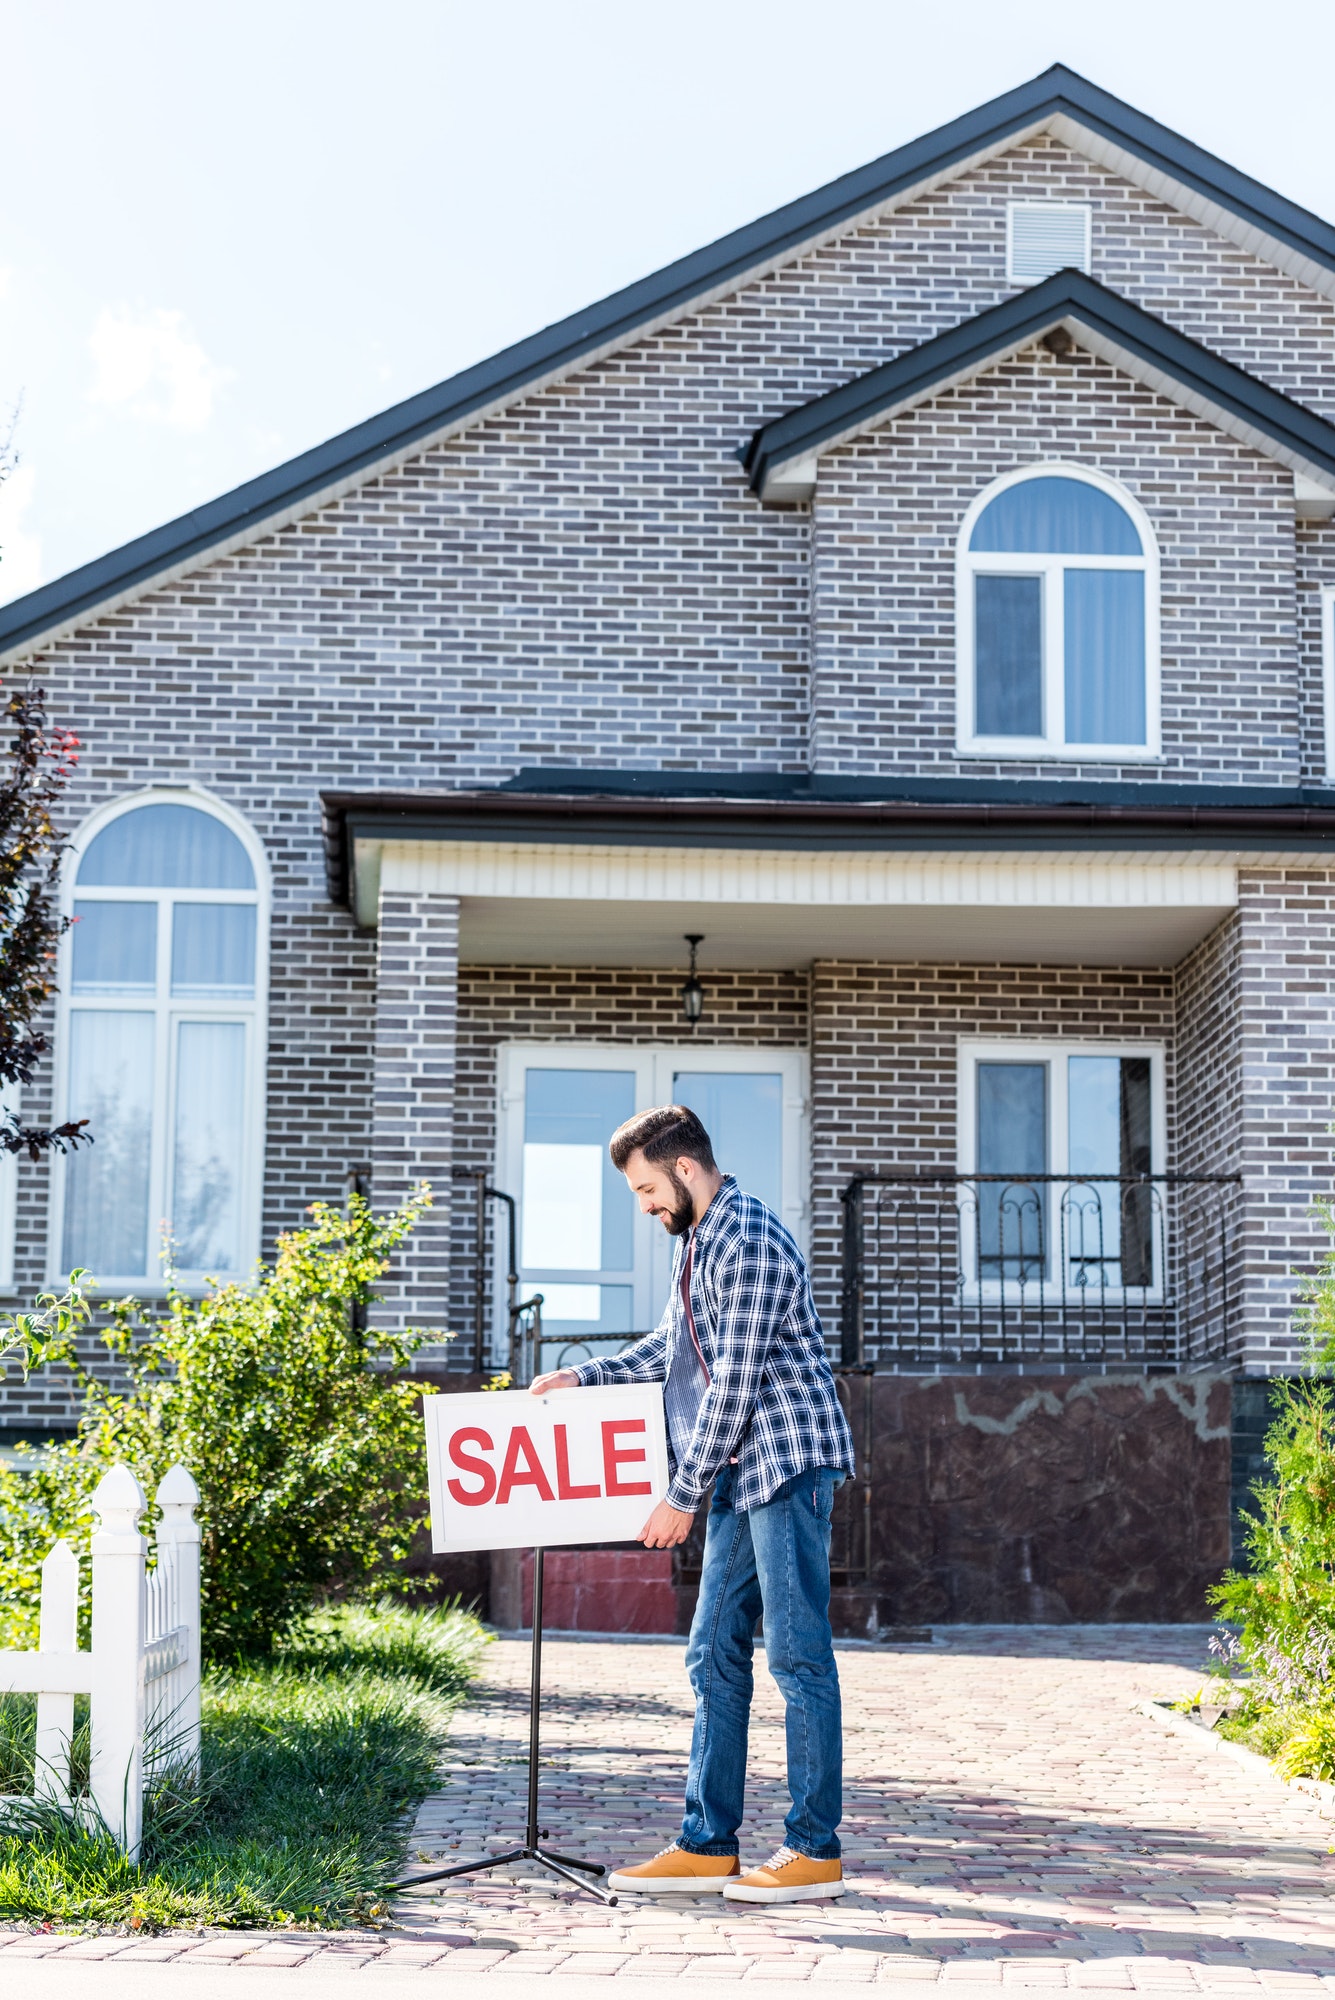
753,1419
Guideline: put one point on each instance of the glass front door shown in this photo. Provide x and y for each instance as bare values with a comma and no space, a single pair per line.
603,1268
743,1115
576,1217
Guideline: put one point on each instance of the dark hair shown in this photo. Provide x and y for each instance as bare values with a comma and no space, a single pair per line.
664,1135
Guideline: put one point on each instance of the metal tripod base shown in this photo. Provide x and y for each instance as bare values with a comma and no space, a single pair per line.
558,1864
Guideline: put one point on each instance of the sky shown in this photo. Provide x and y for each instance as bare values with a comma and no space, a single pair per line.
231,232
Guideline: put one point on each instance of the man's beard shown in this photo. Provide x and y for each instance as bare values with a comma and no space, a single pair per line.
678,1219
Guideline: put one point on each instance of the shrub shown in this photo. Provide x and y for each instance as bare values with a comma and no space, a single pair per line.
1287,1597
1285,1601
307,1448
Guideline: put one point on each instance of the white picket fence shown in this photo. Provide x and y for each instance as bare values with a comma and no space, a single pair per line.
142,1672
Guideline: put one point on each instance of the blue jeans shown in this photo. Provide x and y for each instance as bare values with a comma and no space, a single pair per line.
773,1559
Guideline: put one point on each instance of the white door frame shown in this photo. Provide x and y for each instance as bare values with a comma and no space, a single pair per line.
654,1065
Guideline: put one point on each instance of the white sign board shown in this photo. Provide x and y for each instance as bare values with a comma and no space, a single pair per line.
509,1470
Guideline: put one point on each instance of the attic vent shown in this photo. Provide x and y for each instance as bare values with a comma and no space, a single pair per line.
1045,236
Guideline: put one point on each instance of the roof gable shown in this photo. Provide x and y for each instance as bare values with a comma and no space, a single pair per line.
781,457
1059,101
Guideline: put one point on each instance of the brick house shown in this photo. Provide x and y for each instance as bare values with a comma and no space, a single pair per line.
921,597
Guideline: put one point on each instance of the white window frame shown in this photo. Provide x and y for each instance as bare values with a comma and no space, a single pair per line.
1328,680
168,1014
654,1065
1013,208
973,1050
1051,745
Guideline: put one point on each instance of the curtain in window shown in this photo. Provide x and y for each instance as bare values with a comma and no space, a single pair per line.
1012,1140
106,1190
210,1127
213,950
1109,1227
1105,656
115,948
166,847
1055,516
1008,654
1135,1158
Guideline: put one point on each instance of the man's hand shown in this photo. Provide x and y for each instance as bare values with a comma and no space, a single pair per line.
666,1527
560,1378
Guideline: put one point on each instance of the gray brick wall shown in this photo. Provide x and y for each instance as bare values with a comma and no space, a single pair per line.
1209,1054
416,1042
586,579
884,1042
886,520
1285,982
1314,565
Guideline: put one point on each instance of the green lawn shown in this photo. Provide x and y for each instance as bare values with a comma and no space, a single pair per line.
312,1760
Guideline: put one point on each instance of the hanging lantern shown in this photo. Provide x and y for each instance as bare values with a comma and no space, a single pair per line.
693,992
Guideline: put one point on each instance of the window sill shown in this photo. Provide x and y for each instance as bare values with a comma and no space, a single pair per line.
1034,750
106,1291
1045,1295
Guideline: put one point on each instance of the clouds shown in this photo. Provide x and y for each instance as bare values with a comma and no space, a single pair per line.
148,365
20,550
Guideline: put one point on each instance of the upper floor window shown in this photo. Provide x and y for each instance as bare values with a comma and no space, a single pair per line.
1057,620
161,1045
1046,236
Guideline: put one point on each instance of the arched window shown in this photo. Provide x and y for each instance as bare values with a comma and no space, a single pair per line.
161,1044
1058,617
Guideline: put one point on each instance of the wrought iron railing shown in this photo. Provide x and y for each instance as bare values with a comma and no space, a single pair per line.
1034,1270
523,1317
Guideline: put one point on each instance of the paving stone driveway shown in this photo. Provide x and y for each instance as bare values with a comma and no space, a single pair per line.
1010,1819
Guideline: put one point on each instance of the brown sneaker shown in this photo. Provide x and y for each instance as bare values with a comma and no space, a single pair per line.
788,1877
677,1872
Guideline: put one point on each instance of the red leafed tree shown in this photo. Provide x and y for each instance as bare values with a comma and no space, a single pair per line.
38,762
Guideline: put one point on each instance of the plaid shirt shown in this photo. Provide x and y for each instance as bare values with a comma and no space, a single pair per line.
771,1402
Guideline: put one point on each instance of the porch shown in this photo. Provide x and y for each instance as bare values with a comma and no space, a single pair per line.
1020,1109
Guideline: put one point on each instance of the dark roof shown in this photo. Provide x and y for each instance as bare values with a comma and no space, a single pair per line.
732,810
1099,319
1206,184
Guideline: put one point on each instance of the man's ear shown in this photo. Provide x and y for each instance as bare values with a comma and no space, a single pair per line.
687,1168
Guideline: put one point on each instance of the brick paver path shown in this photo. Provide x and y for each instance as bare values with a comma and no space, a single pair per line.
1010,1819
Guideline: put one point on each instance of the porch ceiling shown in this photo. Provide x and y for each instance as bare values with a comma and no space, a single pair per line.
536,903
497,930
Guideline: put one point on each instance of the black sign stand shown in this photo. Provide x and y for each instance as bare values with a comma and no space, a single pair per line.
558,1864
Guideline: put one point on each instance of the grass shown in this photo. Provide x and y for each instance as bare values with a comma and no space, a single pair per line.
312,1760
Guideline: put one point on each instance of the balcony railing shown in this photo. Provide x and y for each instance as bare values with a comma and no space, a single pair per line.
1035,1270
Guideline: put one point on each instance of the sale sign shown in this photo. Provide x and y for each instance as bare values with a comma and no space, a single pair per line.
509,1470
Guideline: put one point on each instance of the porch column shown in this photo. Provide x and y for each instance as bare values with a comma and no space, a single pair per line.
416,1038
1285,972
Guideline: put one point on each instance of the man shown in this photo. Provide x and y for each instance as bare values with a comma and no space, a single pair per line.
752,1413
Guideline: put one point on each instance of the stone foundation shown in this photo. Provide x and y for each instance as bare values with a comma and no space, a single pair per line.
995,1499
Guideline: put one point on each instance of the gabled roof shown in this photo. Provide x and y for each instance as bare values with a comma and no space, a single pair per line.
1073,110
780,459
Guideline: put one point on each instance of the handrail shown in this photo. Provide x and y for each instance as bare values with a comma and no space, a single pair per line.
1004,1268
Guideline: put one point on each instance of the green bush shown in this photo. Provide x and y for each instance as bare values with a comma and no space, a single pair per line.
1285,1601
1288,1593
307,1447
